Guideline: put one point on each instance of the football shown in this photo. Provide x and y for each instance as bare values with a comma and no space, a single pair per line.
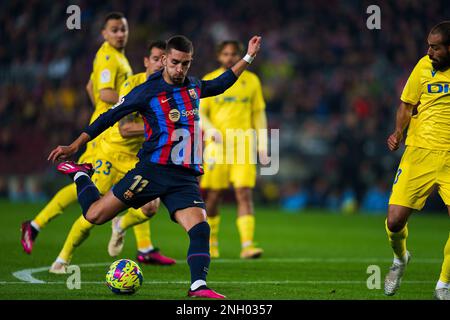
124,277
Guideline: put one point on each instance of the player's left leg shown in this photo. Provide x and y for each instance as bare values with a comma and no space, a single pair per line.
60,201
78,234
214,180
246,223
443,284
243,177
212,201
193,220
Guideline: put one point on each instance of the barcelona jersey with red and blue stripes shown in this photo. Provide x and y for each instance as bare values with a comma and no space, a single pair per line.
171,118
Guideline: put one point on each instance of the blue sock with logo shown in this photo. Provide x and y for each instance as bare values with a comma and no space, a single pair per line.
87,192
198,254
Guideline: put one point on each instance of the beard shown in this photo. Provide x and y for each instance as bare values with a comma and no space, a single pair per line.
443,64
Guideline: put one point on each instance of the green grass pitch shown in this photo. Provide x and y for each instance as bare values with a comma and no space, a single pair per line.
312,255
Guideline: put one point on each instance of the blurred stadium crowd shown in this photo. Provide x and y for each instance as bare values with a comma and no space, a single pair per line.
331,85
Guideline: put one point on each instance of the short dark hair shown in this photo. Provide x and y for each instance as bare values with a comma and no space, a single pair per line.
443,29
180,43
112,16
239,47
156,44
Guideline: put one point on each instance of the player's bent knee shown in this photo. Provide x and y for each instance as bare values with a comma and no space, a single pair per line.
151,208
244,195
396,222
214,196
95,215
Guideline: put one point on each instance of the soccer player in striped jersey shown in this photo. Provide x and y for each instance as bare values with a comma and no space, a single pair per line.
110,70
425,107
116,154
170,159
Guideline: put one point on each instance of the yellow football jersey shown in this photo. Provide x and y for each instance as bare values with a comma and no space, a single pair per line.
111,69
233,109
112,140
430,127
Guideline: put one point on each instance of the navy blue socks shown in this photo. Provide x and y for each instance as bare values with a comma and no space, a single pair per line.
198,254
87,192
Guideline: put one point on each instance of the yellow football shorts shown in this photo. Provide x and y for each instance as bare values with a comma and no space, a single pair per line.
420,170
219,175
110,169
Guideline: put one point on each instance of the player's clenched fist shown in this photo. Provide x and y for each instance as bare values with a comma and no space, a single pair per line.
254,45
394,140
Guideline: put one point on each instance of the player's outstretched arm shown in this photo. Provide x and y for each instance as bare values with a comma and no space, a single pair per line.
228,78
129,128
404,113
128,104
253,48
64,152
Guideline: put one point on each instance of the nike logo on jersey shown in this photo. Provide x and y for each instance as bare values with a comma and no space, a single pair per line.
165,100
197,202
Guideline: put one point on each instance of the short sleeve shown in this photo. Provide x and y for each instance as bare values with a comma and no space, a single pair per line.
106,71
258,102
125,88
413,88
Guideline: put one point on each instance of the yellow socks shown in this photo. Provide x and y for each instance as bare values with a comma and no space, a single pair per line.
214,223
444,278
142,235
78,233
246,227
398,241
132,218
141,226
55,207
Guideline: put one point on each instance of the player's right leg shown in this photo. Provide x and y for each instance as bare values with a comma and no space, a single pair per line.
397,231
214,180
412,185
212,202
60,201
96,209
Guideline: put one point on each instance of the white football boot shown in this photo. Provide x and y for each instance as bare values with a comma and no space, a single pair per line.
394,277
117,240
58,268
442,294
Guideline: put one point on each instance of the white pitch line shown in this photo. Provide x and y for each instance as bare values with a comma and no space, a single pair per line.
230,282
26,275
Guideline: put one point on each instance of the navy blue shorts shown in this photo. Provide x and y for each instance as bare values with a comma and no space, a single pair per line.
177,187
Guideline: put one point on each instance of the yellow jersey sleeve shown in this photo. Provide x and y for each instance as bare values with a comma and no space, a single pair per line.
413,88
107,67
258,102
125,88
205,109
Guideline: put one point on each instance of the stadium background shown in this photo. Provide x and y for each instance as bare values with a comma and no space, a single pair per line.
331,85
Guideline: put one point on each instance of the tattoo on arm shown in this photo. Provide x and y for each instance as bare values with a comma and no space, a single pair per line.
127,119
